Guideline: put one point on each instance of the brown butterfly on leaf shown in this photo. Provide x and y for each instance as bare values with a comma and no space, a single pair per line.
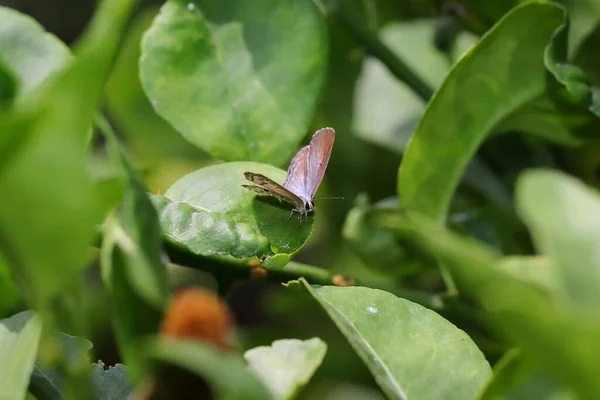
304,175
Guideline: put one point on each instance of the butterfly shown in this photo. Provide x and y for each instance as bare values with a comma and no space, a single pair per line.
304,175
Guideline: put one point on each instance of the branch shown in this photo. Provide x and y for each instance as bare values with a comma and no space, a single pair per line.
379,50
230,270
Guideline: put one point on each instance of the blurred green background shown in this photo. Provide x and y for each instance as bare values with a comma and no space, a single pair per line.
373,119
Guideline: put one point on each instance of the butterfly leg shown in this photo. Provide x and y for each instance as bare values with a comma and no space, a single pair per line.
291,214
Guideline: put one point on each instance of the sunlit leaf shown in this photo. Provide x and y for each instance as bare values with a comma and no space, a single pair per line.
564,218
209,213
286,365
236,84
19,339
504,71
31,53
411,351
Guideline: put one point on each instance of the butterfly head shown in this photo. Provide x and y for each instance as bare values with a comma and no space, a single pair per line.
309,206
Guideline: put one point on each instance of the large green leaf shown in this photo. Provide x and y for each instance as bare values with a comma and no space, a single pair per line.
110,383
19,339
564,218
31,53
48,382
226,373
287,365
132,266
209,213
411,351
543,118
236,84
504,71
43,166
535,321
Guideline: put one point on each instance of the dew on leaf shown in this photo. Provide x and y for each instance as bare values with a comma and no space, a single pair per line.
372,309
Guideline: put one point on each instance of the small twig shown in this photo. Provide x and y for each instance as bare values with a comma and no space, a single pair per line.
293,270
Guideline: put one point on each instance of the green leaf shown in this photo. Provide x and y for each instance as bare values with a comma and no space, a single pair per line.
31,53
501,73
386,111
533,320
47,382
572,78
234,83
535,270
110,383
516,378
43,166
584,17
148,136
286,365
545,119
209,213
226,373
564,218
132,266
19,339
394,336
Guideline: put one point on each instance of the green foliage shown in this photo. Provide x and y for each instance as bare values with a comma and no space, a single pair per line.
426,280
237,85
110,383
287,364
132,265
220,370
19,338
30,53
209,213
393,336
488,78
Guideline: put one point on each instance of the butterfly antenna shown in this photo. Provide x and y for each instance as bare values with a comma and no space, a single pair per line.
329,198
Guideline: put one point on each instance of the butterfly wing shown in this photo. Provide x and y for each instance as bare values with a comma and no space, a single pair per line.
295,181
318,158
268,187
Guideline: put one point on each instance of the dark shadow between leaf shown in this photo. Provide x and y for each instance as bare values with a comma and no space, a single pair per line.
274,222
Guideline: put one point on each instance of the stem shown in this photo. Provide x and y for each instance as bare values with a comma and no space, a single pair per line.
293,270
379,50
402,228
